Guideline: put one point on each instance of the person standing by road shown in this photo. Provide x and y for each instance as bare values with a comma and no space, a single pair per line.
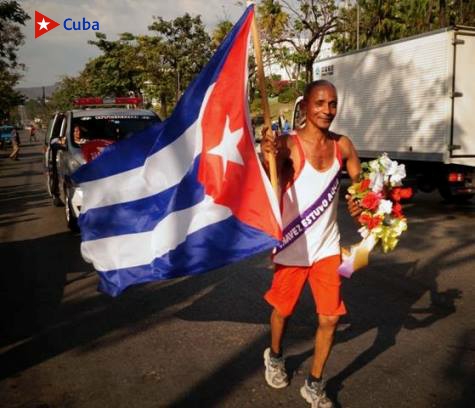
33,133
309,163
15,138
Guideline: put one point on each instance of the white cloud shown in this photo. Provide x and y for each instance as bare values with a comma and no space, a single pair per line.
61,52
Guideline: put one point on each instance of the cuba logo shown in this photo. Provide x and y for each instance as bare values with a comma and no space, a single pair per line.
44,24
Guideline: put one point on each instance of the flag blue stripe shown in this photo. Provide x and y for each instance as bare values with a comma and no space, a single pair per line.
231,239
142,215
185,114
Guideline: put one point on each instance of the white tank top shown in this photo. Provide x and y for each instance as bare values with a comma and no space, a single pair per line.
322,238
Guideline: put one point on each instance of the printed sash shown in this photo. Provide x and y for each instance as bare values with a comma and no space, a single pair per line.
304,221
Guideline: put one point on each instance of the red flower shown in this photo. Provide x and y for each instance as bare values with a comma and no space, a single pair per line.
397,210
370,221
364,185
399,193
371,201
406,192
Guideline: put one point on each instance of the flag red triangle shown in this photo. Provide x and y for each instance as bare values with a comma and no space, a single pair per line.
43,24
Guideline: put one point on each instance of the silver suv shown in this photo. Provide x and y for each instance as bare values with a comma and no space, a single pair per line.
77,137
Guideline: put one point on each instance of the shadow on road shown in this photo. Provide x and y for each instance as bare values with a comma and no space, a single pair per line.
32,287
40,320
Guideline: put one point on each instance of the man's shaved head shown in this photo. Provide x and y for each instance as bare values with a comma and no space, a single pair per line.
316,84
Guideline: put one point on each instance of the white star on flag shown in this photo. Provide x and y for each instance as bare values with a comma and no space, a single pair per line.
43,24
228,149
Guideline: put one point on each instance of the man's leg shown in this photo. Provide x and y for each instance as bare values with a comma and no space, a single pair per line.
274,362
325,283
287,285
277,328
323,343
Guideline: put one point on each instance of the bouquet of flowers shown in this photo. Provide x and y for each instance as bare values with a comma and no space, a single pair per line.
379,193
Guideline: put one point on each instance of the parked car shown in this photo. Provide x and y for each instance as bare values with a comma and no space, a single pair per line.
78,136
5,135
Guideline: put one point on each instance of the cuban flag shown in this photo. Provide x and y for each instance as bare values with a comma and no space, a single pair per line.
187,195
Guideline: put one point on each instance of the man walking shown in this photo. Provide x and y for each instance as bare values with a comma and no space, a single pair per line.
309,163
15,138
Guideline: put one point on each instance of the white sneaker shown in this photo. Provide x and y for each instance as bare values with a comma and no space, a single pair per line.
314,393
275,373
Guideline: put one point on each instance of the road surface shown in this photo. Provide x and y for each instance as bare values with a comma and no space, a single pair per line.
408,340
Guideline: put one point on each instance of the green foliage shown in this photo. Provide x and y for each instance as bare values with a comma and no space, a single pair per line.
295,31
220,33
382,21
12,16
118,71
288,95
181,49
68,89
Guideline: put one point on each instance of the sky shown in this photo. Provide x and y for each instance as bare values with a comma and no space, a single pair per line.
61,52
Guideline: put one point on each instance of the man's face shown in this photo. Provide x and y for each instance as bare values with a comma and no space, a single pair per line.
321,106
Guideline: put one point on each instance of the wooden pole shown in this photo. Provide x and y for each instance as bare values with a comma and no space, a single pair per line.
264,101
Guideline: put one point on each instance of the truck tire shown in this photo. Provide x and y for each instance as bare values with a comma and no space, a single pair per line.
71,220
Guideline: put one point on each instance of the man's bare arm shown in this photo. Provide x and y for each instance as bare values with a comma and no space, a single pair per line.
353,167
276,145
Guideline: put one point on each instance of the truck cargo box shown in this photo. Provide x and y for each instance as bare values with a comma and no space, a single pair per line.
413,98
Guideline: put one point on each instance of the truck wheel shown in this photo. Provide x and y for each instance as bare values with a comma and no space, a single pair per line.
71,220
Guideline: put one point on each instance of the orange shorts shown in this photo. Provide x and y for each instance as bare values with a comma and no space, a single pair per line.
324,280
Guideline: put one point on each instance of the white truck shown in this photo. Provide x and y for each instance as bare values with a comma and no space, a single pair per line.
414,99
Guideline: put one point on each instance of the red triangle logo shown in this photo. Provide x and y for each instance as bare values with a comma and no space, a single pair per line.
43,24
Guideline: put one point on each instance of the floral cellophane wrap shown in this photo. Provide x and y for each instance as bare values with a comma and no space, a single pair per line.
379,193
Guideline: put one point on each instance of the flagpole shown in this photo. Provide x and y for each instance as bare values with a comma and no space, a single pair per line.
264,101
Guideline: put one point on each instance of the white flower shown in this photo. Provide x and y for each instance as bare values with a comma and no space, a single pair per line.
374,165
364,232
376,182
385,207
391,168
385,161
398,175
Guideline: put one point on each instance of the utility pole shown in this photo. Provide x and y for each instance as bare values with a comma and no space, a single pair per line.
357,26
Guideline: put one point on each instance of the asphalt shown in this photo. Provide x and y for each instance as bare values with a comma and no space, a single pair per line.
407,341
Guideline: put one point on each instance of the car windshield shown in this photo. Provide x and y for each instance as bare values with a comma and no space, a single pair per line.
109,127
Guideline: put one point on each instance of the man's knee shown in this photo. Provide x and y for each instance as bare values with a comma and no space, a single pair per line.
279,315
328,322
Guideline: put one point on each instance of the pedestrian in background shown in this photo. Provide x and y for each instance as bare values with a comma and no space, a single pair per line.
15,138
33,133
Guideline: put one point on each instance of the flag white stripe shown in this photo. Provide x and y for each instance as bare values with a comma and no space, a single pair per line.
143,248
162,170
171,164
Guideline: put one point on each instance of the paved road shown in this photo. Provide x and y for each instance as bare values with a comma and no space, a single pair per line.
408,341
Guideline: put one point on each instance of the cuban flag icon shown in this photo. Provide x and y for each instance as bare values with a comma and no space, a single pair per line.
187,195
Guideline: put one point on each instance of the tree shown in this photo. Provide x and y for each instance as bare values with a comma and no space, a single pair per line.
180,49
12,16
118,71
68,89
381,21
220,32
300,25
